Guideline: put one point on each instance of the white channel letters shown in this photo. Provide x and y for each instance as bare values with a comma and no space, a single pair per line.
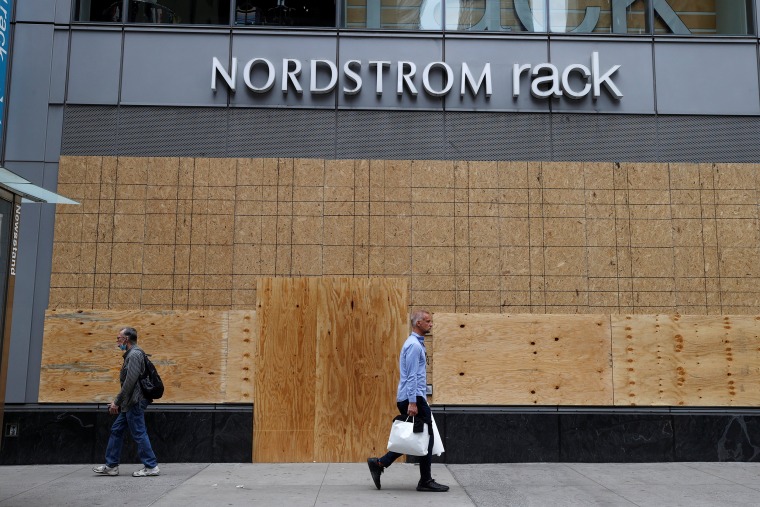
14,242
543,80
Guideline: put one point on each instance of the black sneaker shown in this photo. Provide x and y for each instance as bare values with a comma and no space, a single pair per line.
431,485
375,468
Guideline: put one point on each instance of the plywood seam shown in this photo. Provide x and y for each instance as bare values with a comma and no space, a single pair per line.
611,360
225,343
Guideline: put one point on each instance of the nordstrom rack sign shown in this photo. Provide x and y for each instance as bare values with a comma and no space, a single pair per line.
405,78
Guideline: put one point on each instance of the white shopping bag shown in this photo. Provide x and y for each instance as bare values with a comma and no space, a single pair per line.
437,442
404,440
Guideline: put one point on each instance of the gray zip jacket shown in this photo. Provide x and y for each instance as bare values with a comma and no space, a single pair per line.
133,367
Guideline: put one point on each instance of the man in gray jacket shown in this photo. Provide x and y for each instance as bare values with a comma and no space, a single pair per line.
130,406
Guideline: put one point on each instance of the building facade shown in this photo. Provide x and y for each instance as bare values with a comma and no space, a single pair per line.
509,137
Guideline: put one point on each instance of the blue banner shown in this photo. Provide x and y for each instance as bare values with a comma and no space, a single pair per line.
5,45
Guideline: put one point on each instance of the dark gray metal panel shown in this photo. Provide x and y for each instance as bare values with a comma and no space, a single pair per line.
58,66
31,171
498,136
502,54
37,11
94,67
597,137
281,133
54,133
50,182
41,294
19,358
63,11
90,130
28,98
170,132
709,138
171,68
455,135
174,68
32,286
707,78
390,134
634,78
275,48
420,50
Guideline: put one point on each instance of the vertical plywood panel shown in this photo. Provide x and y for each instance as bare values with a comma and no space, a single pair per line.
349,336
379,335
686,360
494,359
334,394
362,327
286,370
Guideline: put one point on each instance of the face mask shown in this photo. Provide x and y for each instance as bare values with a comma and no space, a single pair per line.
123,346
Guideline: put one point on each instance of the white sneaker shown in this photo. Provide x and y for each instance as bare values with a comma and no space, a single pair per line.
147,472
106,470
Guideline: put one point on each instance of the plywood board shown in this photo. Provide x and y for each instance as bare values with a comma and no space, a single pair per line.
285,366
240,356
500,359
81,363
680,360
382,331
335,402
360,333
344,335
490,220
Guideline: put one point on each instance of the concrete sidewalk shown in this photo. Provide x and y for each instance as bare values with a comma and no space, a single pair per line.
344,484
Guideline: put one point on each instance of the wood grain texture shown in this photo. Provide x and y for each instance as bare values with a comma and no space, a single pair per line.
240,356
81,363
681,360
497,359
284,386
335,341
211,357
382,332
340,338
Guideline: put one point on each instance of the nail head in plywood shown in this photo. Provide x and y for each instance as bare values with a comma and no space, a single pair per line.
184,346
242,339
687,360
502,359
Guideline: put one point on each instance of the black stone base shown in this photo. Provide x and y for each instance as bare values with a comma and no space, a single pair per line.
223,434
598,436
80,435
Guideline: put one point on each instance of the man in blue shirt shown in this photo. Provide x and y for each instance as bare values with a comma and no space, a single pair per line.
411,400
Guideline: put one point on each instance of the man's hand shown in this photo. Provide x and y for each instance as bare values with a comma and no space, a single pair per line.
114,409
412,410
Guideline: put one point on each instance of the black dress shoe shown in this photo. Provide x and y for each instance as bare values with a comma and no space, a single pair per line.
375,468
431,485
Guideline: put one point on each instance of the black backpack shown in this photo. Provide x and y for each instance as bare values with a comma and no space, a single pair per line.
151,384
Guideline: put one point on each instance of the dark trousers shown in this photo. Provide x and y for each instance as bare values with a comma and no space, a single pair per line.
423,412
